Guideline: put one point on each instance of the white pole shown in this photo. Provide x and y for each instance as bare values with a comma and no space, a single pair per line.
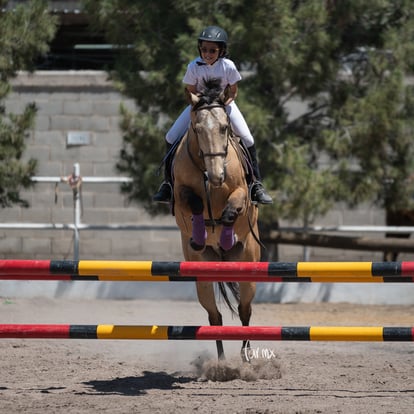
75,182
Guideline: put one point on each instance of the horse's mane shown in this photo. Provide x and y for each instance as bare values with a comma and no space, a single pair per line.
211,93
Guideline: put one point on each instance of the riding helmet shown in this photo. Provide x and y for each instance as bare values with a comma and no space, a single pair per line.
214,34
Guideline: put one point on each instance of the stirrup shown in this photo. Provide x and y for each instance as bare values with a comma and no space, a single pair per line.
258,194
164,193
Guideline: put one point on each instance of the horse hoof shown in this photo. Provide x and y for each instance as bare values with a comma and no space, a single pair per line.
228,243
235,251
195,246
245,358
245,353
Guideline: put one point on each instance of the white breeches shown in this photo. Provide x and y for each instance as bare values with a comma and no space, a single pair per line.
238,123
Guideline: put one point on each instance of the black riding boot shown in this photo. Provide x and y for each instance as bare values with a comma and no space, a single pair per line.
164,193
259,193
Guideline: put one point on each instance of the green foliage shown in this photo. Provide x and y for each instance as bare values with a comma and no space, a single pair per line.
24,34
14,173
140,157
346,60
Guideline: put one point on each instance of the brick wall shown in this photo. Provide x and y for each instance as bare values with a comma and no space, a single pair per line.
78,102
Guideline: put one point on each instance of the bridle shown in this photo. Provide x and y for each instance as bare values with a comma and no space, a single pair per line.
211,154
213,222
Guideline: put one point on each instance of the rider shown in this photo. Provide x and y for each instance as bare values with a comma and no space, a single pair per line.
213,63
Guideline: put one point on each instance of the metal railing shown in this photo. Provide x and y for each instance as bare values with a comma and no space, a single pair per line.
75,180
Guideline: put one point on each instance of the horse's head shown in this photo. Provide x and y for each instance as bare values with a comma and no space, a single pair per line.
210,123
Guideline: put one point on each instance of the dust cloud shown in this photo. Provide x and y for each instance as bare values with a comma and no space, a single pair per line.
209,368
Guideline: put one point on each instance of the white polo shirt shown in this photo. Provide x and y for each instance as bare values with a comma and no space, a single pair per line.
223,68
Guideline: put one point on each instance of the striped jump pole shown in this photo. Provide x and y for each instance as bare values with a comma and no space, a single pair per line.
208,278
157,271
258,333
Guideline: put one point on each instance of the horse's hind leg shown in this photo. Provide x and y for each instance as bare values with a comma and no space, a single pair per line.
247,292
206,297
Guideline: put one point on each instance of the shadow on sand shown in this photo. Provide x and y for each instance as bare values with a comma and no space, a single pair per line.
139,385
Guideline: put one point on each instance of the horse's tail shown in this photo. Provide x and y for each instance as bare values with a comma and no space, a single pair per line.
235,291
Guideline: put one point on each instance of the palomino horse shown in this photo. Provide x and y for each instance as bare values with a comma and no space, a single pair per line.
211,202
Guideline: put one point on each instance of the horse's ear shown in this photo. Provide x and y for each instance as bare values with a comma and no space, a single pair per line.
191,97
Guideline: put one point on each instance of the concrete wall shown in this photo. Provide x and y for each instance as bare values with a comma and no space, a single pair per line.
86,102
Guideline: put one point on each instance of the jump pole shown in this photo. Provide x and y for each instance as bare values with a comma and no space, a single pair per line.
164,332
209,278
370,272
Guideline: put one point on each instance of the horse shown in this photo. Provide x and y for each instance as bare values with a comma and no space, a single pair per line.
212,207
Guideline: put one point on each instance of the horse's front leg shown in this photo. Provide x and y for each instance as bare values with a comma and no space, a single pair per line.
207,299
194,203
236,203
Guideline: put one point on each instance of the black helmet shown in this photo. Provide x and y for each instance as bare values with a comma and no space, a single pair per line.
213,34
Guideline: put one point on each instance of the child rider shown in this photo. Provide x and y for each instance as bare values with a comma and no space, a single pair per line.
213,63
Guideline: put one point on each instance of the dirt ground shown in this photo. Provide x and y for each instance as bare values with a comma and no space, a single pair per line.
108,376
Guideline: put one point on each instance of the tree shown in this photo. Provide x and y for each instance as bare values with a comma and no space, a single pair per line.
25,32
348,60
